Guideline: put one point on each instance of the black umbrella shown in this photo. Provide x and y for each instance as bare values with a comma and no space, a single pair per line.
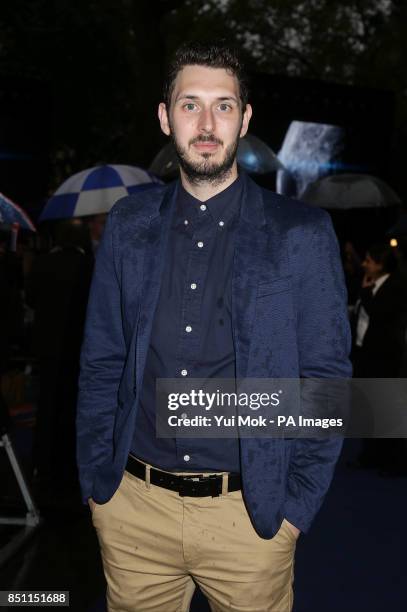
346,191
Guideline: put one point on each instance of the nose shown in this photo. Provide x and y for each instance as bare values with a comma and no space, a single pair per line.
206,121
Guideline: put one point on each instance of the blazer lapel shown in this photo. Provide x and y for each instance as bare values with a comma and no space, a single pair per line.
250,249
156,239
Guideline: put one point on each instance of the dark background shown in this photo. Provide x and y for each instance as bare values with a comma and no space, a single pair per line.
80,81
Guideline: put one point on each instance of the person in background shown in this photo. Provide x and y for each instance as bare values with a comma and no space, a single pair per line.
57,290
379,329
380,316
96,225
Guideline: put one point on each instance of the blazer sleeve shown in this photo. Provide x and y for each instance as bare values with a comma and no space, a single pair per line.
324,343
102,361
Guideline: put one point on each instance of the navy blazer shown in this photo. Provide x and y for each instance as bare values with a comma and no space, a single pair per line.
289,318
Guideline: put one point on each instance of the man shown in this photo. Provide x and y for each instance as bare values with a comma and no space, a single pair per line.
380,316
379,344
211,277
96,224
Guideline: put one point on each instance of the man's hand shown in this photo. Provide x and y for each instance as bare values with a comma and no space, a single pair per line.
296,532
91,504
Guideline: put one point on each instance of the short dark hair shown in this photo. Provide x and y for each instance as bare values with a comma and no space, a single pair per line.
382,253
215,55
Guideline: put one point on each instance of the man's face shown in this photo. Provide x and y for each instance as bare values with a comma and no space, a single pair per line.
373,269
205,121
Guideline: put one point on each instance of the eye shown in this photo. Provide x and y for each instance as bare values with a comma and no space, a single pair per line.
190,106
224,107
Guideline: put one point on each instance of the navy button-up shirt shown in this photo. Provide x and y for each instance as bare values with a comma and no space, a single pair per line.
192,327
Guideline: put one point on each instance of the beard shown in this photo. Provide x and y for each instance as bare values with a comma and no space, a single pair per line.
205,170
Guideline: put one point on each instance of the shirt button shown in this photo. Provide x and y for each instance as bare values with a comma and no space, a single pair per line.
184,415
193,285
202,207
200,244
221,223
187,457
186,222
184,372
188,328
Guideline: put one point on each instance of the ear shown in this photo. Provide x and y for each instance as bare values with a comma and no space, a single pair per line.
163,118
245,121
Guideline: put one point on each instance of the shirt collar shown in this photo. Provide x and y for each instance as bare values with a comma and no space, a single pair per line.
379,282
222,207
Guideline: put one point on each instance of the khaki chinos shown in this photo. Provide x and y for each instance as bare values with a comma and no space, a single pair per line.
156,545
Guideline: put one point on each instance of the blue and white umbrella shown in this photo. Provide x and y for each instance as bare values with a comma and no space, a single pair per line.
12,213
95,190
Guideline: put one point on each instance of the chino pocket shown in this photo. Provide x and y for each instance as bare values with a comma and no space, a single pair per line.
94,512
134,482
286,527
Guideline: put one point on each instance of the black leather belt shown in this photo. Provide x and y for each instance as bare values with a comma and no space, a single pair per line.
186,486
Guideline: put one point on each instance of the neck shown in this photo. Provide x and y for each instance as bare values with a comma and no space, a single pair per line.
203,190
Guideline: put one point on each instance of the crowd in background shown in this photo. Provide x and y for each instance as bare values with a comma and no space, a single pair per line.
44,288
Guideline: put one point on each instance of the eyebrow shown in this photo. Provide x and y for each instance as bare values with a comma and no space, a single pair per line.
219,98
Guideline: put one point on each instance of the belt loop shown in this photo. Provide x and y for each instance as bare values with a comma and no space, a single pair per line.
148,468
225,483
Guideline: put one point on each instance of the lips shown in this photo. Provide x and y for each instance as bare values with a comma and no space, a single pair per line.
206,146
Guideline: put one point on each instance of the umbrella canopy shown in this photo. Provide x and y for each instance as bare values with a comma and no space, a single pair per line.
346,191
95,190
12,213
165,163
253,155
